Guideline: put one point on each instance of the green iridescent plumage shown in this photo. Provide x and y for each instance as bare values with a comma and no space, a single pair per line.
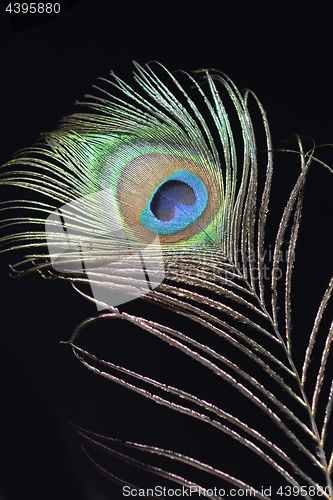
152,171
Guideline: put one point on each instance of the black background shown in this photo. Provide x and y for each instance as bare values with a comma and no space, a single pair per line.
280,50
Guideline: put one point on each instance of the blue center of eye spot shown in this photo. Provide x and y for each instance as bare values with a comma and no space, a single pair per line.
177,202
167,196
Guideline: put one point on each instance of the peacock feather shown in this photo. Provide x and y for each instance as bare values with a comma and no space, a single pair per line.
157,195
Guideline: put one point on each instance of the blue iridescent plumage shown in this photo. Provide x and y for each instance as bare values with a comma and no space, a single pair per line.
177,202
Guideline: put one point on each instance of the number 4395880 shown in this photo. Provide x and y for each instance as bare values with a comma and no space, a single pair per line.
33,8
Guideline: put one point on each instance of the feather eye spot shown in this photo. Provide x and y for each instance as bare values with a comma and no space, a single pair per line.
192,186
177,202
167,196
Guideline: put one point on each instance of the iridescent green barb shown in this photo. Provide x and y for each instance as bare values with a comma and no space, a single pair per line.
173,174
